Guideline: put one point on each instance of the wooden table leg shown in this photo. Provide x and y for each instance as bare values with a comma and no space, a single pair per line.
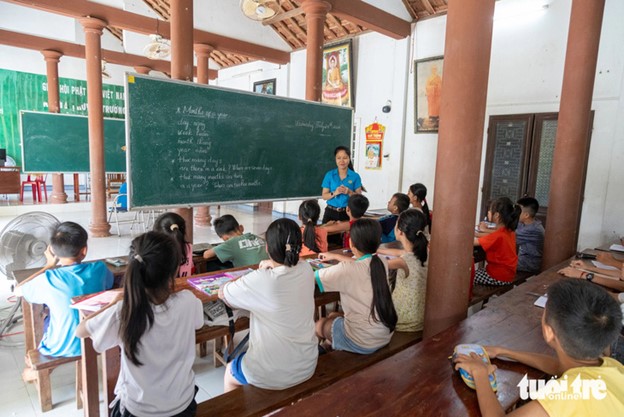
90,388
76,187
29,337
111,362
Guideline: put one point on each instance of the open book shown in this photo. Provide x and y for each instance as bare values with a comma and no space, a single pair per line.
94,302
210,283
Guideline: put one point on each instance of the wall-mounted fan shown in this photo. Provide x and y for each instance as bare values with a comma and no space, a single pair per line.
22,246
259,9
158,48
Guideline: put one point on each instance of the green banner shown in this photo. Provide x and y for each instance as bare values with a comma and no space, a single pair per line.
26,91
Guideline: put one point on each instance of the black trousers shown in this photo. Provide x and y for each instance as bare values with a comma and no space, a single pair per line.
333,214
187,412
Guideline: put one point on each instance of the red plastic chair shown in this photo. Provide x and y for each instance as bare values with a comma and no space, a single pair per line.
41,182
35,185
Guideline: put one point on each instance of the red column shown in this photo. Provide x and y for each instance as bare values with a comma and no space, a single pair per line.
566,180
99,226
52,59
315,12
462,114
182,67
202,214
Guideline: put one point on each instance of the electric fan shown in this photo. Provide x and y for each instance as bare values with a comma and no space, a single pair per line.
158,48
24,241
259,9
22,246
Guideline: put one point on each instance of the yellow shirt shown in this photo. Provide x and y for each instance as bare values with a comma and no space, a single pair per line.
606,399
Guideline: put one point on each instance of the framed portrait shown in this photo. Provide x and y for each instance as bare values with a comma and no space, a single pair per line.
265,87
428,93
337,79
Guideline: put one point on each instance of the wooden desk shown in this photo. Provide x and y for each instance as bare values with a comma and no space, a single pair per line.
421,381
34,314
111,358
10,180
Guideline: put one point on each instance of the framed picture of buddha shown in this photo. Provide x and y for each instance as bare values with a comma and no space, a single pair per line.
428,93
337,78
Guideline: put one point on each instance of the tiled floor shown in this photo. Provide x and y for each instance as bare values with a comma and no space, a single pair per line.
20,399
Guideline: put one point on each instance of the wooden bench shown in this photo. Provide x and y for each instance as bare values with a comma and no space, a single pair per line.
332,367
43,366
484,292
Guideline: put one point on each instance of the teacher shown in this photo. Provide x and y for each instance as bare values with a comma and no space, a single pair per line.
338,185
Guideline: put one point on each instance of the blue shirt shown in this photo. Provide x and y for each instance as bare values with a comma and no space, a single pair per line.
55,288
387,228
332,181
530,241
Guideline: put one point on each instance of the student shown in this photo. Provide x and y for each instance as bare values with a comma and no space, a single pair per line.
356,207
529,237
280,297
173,224
579,322
397,205
417,194
314,237
369,315
500,245
55,287
613,279
239,247
410,288
155,329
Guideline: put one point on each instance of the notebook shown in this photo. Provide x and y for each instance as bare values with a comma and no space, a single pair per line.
94,302
210,283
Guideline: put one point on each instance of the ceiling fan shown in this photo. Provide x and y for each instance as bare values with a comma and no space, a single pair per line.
158,48
259,9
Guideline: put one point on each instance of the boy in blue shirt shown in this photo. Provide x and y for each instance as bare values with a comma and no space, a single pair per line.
55,287
397,205
529,236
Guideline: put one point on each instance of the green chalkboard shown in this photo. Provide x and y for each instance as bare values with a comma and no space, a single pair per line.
191,144
53,142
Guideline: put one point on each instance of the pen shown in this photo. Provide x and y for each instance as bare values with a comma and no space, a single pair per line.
534,293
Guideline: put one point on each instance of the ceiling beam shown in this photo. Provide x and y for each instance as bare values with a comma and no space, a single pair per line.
283,16
363,14
147,25
21,40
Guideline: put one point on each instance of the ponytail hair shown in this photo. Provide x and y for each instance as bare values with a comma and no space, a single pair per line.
508,211
365,237
173,224
309,213
420,192
154,260
412,222
284,242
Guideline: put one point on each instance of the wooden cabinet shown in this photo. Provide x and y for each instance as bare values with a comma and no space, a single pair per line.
9,180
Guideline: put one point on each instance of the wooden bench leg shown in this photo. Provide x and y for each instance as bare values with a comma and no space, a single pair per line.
44,389
221,343
78,385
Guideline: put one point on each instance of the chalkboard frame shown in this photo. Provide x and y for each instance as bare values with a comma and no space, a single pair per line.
25,161
129,108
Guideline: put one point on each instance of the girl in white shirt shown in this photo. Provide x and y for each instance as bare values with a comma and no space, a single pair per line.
155,329
280,297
